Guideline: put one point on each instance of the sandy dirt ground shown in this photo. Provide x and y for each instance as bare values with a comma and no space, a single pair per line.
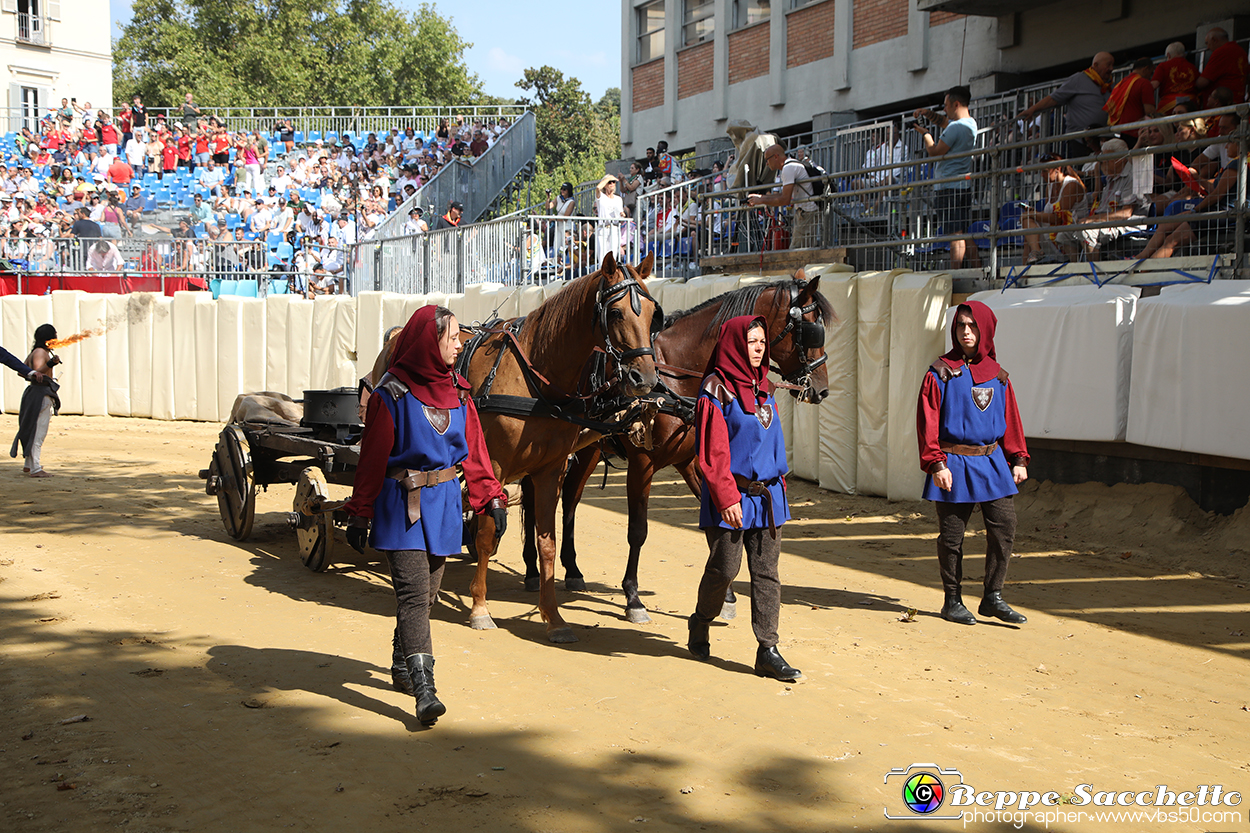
226,687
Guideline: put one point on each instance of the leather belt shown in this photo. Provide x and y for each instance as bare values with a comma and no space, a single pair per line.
412,482
759,488
969,450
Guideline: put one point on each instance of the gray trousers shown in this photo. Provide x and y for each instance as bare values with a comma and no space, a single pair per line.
723,563
416,578
1000,534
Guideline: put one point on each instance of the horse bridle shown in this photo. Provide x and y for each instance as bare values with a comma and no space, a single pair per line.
807,335
606,296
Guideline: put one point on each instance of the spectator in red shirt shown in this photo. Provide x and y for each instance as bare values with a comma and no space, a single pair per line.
1133,99
183,141
108,136
169,154
1226,67
125,120
1173,79
220,144
120,172
479,145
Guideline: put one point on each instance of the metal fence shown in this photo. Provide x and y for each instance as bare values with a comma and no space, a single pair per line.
310,123
475,183
1001,215
123,264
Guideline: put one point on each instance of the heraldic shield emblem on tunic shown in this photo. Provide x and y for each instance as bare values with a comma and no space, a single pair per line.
764,414
982,397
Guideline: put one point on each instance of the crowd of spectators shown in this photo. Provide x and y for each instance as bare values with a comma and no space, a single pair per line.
316,197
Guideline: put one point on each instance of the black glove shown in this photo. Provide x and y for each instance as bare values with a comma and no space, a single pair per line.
500,514
358,536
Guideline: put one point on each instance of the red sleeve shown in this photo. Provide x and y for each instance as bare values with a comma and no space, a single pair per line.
1013,438
1147,93
713,436
1217,65
479,474
375,448
928,419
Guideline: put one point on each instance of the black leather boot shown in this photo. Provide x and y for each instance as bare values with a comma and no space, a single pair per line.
399,671
992,604
421,671
954,611
770,663
699,643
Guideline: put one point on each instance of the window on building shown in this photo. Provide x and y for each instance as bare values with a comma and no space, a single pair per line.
747,12
698,21
798,4
650,31
30,108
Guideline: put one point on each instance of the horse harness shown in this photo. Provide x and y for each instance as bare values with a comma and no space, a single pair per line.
807,335
589,410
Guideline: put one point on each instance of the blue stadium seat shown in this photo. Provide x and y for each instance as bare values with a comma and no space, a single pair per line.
314,135
150,204
232,221
273,240
285,250
299,137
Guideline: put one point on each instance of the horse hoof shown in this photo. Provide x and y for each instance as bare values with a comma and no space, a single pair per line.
562,636
729,610
531,584
482,623
637,615
575,585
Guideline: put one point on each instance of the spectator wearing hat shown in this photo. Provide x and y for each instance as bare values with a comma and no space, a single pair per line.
452,218
415,224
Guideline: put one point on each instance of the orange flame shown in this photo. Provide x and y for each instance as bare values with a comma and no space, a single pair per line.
58,343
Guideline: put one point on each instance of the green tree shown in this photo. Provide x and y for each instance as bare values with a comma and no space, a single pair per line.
292,53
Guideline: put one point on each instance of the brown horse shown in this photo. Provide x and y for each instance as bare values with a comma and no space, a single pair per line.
522,377
795,312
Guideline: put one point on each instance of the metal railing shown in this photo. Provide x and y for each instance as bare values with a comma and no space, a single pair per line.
123,264
474,183
32,28
898,214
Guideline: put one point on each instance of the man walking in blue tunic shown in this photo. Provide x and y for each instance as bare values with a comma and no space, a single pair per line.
972,447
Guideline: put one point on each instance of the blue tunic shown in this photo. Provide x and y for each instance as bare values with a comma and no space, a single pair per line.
964,422
421,448
756,453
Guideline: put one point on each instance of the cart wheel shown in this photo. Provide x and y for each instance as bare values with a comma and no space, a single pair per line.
314,529
235,482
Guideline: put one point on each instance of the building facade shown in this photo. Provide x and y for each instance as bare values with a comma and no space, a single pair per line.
792,66
54,49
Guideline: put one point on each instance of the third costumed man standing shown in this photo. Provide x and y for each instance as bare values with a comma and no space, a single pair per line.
972,447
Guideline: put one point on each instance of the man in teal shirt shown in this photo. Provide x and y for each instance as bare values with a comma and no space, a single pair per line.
953,200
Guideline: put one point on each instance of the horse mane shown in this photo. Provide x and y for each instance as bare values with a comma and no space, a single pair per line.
560,313
742,301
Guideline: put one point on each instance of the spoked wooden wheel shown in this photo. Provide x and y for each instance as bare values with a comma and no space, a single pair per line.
314,527
232,480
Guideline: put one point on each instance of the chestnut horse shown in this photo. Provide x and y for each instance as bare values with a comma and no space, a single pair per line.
796,313
521,376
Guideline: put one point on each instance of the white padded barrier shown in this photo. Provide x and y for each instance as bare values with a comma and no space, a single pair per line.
299,342
369,331
93,354
69,374
140,311
255,359
342,366
873,374
838,414
277,371
321,352
163,358
118,352
206,359
529,299
1190,386
1069,351
785,410
918,305
18,342
231,356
